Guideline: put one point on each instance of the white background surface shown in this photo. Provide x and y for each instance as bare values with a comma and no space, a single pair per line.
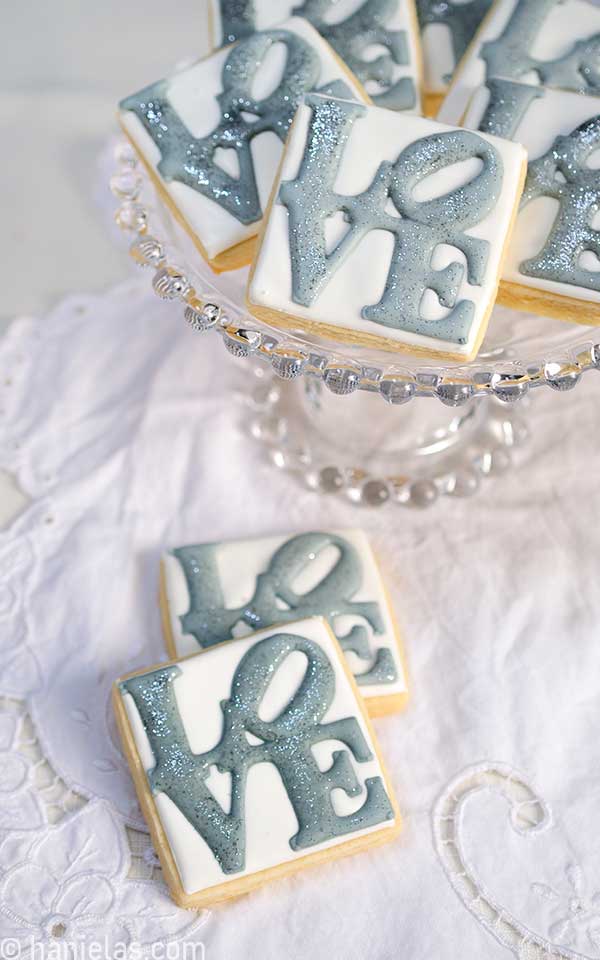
63,67
498,596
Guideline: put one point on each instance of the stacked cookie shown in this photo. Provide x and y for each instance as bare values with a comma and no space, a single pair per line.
532,75
298,148
252,749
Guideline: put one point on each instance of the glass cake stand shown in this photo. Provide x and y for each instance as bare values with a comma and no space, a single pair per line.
353,421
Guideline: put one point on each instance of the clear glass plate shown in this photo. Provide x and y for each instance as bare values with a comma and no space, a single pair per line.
364,448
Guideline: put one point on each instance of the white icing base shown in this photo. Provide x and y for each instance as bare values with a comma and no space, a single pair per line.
360,280
240,562
193,93
270,819
555,113
568,22
269,13
438,56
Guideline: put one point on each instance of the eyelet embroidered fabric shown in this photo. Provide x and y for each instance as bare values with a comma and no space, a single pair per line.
126,434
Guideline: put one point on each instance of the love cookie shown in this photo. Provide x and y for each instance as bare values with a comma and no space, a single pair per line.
377,39
553,262
386,230
550,43
253,759
217,591
212,135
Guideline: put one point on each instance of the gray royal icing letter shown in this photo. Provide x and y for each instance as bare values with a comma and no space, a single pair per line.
286,741
238,20
276,601
563,174
509,56
507,106
462,19
421,227
352,38
191,160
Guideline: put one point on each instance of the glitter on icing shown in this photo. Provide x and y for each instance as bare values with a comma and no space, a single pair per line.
462,19
421,227
507,106
211,622
562,173
190,160
352,38
383,670
286,741
508,56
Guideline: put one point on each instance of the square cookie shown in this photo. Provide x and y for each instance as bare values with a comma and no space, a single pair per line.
252,760
379,42
552,43
212,135
386,230
553,262
217,591
446,31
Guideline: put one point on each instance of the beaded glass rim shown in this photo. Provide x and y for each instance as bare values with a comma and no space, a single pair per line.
507,367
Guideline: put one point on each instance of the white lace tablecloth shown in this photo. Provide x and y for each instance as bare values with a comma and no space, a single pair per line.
124,431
